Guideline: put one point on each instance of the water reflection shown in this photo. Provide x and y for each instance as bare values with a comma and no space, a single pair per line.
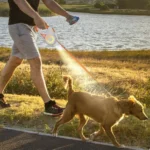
95,32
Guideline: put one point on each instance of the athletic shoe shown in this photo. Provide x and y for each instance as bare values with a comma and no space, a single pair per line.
3,103
72,20
52,109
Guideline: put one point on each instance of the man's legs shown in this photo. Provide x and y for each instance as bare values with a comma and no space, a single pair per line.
25,47
38,78
5,76
8,70
36,75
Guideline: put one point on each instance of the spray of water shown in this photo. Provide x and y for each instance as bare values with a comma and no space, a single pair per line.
74,68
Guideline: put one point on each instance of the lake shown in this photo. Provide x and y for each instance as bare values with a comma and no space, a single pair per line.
94,32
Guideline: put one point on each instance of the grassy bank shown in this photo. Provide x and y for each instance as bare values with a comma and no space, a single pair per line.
126,73
91,9
4,10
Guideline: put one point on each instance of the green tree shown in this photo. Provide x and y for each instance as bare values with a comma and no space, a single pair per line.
97,5
132,4
148,5
101,6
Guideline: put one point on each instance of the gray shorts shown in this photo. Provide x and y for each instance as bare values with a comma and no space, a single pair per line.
24,38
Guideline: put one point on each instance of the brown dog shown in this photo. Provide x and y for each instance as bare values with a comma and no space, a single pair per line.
106,111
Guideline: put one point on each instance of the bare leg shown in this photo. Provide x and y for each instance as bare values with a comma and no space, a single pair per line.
8,70
38,78
83,122
111,135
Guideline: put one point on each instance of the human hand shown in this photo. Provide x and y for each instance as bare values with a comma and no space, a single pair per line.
72,19
40,23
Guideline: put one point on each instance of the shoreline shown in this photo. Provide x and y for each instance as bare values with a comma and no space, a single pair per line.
132,55
88,51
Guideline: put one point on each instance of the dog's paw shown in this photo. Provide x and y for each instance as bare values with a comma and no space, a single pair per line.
119,146
85,139
122,146
55,134
92,136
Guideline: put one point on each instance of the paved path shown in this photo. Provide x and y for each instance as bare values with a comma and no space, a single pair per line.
19,140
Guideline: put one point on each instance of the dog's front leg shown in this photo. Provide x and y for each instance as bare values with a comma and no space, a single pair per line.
111,135
54,132
83,122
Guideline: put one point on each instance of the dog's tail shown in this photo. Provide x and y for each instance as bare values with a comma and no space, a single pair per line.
68,83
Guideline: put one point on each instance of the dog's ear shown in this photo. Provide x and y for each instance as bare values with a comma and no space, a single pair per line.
132,99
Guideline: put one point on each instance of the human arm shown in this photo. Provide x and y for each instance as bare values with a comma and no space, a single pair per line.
56,8
27,9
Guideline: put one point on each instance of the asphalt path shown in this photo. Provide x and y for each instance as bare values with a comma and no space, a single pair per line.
20,140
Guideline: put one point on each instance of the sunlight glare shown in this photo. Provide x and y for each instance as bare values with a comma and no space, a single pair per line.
84,79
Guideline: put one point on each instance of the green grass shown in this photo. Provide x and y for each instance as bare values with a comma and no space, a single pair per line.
126,73
4,10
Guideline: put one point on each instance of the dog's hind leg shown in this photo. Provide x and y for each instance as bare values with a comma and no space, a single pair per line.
111,135
97,133
83,122
68,114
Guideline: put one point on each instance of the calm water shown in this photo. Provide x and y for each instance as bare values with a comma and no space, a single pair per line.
94,32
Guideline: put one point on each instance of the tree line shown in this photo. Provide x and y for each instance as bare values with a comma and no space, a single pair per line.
124,4
133,4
